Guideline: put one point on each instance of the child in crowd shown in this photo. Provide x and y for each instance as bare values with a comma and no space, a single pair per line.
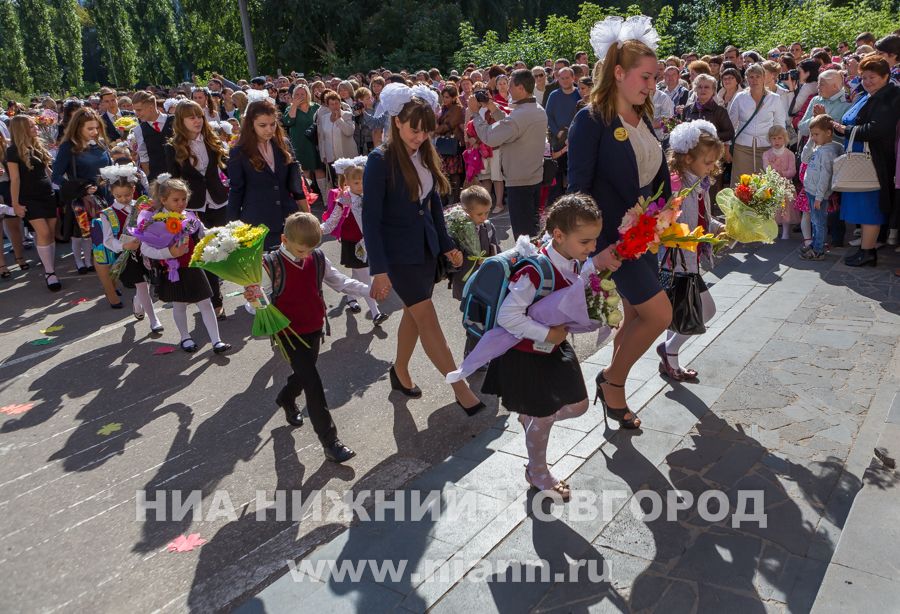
780,158
192,286
110,239
344,221
694,157
540,378
818,155
122,154
293,277
476,202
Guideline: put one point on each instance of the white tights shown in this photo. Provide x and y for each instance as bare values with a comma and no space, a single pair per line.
143,303
363,276
179,312
81,252
674,341
537,436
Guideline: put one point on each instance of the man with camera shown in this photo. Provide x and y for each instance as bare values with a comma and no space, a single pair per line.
522,134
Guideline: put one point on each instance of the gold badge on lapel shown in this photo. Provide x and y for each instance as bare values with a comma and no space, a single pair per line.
621,134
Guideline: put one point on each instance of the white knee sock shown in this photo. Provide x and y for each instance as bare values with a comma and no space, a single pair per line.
47,254
76,252
674,341
806,226
145,301
209,320
179,313
364,276
785,231
322,182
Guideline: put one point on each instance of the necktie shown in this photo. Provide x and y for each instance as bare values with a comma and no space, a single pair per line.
156,126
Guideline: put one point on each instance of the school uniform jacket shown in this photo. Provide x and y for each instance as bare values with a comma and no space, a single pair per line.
399,229
198,184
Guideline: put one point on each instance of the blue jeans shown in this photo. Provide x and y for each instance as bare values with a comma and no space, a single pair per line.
819,220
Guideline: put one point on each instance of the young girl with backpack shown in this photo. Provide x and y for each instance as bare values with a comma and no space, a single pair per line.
540,378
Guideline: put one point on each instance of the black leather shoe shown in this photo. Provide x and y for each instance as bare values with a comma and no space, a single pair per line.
414,393
292,413
337,452
864,257
471,411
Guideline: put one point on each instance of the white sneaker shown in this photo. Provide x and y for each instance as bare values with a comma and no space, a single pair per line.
892,237
857,232
856,242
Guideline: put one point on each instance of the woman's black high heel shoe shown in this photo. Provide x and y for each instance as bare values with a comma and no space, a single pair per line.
471,411
617,414
414,393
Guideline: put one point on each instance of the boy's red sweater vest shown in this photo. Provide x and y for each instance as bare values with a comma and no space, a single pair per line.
300,301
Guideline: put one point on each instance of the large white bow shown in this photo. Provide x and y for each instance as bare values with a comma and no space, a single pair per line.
685,136
616,30
395,95
119,171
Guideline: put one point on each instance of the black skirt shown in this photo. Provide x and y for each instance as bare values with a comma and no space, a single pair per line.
191,287
133,272
536,384
39,208
348,256
413,283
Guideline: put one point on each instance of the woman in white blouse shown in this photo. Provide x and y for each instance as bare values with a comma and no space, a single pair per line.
753,111
335,127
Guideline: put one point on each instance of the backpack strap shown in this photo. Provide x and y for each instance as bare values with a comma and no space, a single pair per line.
548,276
275,268
319,258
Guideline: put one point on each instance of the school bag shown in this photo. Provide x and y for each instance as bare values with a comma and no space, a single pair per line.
488,286
275,268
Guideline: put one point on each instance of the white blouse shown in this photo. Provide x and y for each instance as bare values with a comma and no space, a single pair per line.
426,180
771,113
647,150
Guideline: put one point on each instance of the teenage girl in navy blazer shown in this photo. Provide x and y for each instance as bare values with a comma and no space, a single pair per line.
615,157
403,223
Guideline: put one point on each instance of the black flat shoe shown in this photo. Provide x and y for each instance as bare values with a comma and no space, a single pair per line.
118,305
92,269
380,319
189,346
221,347
863,257
354,306
414,393
5,274
220,314
616,413
471,411
82,270
337,452
53,286
292,413
157,330
23,264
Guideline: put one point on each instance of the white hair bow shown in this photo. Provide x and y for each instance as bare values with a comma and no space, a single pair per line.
163,177
257,95
616,30
119,171
685,136
395,95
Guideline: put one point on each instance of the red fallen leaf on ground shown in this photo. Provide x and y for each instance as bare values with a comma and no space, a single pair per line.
166,349
16,408
186,543
78,301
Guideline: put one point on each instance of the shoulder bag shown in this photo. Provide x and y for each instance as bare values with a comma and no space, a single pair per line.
744,127
854,171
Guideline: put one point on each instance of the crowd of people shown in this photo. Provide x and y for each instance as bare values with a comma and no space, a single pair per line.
566,148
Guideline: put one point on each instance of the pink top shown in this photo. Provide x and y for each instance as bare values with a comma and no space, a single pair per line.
784,164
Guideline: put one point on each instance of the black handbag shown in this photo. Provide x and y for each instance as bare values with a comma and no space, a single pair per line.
312,133
683,290
446,146
295,181
72,188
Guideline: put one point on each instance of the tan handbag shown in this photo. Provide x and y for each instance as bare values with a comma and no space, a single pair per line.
854,171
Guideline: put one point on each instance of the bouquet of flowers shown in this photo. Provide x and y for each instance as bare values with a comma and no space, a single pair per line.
142,204
234,252
126,123
462,229
46,122
602,300
669,123
165,229
750,207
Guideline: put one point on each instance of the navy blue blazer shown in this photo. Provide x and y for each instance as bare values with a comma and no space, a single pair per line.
397,227
606,168
260,197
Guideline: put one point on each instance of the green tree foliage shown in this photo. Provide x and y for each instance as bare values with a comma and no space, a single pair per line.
116,39
157,41
35,21
14,73
764,24
67,24
212,37
560,36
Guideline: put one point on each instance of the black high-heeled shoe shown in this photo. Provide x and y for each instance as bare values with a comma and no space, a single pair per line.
471,411
414,393
616,413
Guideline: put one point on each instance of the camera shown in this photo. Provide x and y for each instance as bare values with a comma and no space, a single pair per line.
358,106
795,75
783,76
481,96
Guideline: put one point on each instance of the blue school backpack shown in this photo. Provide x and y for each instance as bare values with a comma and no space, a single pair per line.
488,286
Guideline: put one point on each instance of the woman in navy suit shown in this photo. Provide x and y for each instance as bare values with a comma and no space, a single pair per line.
404,230
615,157
258,173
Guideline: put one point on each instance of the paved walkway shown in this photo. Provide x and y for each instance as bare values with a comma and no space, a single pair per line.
798,371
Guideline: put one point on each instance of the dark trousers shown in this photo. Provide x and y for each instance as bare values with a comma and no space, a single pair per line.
212,218
524,202
305,379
